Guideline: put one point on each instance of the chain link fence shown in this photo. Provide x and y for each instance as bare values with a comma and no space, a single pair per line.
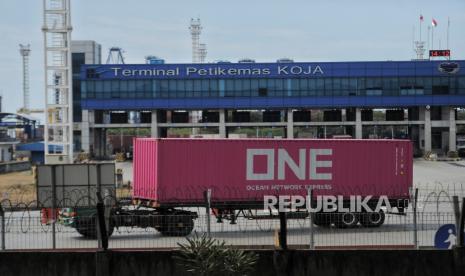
30,226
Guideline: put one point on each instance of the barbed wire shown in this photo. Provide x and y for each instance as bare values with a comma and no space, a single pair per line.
434,200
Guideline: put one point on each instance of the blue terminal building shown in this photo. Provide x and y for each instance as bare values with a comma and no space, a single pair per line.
418,100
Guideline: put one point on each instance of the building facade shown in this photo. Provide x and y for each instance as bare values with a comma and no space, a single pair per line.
418,100
82,52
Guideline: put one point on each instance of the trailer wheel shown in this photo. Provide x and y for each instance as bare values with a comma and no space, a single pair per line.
88,228
321,219
177,226
373,219
346,220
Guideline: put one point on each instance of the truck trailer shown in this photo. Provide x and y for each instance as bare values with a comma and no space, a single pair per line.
170,174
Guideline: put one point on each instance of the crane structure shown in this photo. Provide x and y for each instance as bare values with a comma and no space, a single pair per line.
115,56
58,129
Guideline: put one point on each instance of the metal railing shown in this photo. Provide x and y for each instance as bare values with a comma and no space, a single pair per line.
32,229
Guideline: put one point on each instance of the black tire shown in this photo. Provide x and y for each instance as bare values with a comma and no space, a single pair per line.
177,226
88,228
321,219
374,219
346,220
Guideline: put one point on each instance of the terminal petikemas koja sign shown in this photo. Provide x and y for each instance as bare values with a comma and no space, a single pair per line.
190,71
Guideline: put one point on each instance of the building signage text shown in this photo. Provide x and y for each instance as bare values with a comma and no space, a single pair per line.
217,71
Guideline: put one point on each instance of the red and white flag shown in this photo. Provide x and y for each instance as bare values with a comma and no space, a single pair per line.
434,23
421,17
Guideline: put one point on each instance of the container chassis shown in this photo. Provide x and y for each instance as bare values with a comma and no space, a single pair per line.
170,220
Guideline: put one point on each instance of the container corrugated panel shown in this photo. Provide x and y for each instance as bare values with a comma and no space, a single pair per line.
180,170
145,168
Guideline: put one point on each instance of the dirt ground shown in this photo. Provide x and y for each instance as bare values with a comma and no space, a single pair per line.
17,187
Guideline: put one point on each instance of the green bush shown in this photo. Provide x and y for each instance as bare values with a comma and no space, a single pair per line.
207,256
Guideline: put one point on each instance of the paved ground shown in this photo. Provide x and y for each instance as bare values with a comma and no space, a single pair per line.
437,181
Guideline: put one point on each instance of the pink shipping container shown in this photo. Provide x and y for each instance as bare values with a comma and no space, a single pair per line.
179,171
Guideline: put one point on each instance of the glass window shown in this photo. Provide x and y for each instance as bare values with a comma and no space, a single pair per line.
139,88
139,85
205,88
320,87
453,85
78,59
197,88
337,87
237,88
107,86
280,87
156,88
172,86
303,84
406,82
115,89
89,86
181,88
361,82
374,83
262,89
246,87
295,87
147,89
353,87
270,84
374,92
328,87
214,89
221,87
98,86
303,87
164,88
229,88
123,87
428,85
461,85
254,87
345,86
189,88
131,87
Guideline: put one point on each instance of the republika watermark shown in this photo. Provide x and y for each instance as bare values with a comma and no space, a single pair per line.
327,203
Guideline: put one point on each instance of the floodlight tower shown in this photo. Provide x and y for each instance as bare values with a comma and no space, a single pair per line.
420,49
25,50
202,52
195,29
58,131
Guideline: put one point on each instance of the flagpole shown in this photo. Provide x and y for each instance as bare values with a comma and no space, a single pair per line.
432,38
413,39
428,38
448,26
421,21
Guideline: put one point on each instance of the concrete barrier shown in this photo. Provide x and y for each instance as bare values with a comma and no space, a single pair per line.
292,262
15,166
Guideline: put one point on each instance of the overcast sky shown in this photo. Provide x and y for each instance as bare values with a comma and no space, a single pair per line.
265,30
